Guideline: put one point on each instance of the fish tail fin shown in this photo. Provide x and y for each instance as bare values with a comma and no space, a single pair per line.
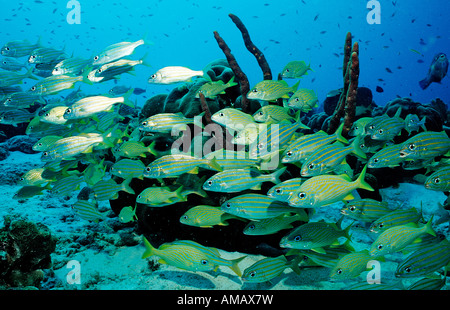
234,265
85,75
423,123
213,164
294,264
295,86
275,177
429,228
298,121
424,83
339,136
126,98
301,215
149,249
30,75
144,60
361,182
125,186
151,149
179,192
356,149
231,82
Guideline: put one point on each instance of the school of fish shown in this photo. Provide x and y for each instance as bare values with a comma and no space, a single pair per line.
85,143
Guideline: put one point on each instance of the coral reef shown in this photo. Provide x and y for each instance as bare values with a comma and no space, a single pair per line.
24,253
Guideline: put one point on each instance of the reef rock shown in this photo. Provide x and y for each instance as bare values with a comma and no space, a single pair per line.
22,143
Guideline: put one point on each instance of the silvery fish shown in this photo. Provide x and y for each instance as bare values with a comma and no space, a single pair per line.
45,143
116,51
15,117
322,190
11,64
396,238
271,90
425,145
236,180
166,122
8,78
53,115
295,69
119,67
73,66
19,48
55,84
46,55
92,105
21,100
173,74
233,119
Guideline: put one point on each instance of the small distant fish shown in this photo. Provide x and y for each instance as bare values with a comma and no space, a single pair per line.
379,89
173,74
273,225
116,51
316,17
388,70
396,238
438,70
295,69
127,214
271,90
412,123
212,89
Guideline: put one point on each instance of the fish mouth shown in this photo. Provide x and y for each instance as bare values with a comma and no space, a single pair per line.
403,154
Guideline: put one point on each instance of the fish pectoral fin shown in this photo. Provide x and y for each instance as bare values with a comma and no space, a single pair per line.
257,187
349,197
193,170
319,250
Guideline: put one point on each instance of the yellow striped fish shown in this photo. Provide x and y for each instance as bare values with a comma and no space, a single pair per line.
156,196
71,66
284,190
428,284
165,122
173,74
19,48
424,262
268,268
182,256
132,149
67,185
205,216
358,127
322,190
233,119
439,180
295,69
46,55
272,113
396,238
54,115
236,180
389,156
128,168
388,128
256,207
8,78
350,265
172,166
228,159
303,100
366,210
271,90
116,51
328,158
304,146
425,145
328,259
88,210
56,83
395,218
34,177
273,225
109,189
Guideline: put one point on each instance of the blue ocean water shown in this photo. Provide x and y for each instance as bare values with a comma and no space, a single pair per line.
181,33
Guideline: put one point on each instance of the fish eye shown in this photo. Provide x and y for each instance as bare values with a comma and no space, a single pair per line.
228,205
4,62
69,110
371,126
380,225
254,90
251,227
436,180
442,56
407,269
298,238
352,208
144,123
261,113
45,153
47,114
278,191
297,99
210,182
252,274
311,166
412,146
379,247
96,58
153,76
221,114
39,144
339,271
100,70
139,196
260,145
204,262
380,131
287,70
302,195
33,88
185,217
375,160
289,153
148,169
33,56
7,48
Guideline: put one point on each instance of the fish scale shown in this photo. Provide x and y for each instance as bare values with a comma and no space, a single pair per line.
170,166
